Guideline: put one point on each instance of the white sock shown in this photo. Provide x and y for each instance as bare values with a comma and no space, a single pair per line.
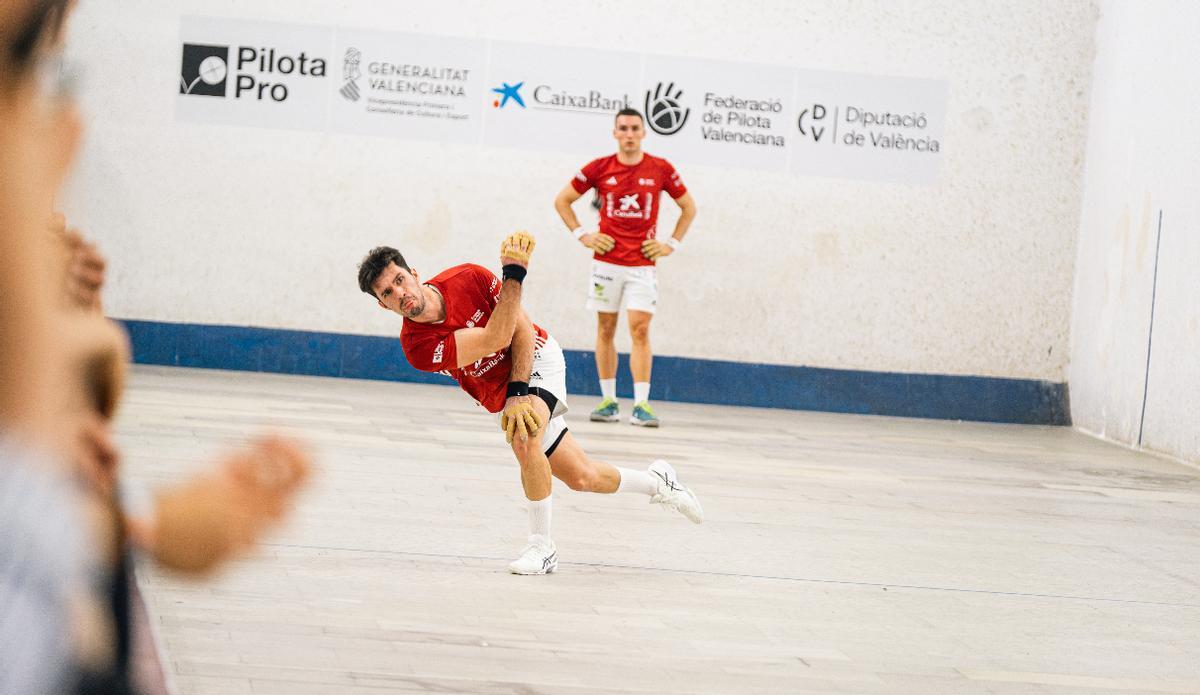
539,517
637,481
641,392
608,387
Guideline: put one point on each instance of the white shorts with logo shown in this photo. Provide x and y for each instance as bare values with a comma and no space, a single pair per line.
549,373
611,285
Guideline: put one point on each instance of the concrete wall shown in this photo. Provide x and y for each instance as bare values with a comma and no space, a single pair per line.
261,227
1143,162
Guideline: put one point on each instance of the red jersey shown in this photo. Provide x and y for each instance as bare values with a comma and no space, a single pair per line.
629,198
470,293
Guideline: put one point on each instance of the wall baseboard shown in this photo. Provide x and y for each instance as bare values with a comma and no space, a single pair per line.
937,396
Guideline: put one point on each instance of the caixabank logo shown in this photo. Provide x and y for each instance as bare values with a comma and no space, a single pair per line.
261,74
547,97
508,92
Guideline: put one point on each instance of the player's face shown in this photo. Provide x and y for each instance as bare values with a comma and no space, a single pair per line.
629,133
400,291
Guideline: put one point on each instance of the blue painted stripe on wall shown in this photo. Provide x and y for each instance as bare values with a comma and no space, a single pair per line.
940,396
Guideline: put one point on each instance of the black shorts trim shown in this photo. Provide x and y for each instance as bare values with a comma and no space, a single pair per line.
556,441
548,398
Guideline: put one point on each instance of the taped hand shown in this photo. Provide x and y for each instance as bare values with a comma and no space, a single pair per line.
520,418
517,248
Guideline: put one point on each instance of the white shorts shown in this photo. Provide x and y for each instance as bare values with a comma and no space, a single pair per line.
611,285
549,373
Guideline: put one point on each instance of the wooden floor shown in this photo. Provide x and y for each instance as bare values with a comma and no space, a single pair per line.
842,554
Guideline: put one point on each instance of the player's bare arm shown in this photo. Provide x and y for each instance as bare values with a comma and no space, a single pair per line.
657,248
522,348
563,202
594,240
521,419
473,344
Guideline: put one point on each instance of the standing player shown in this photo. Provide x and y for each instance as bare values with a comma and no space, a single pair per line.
469,325
625,250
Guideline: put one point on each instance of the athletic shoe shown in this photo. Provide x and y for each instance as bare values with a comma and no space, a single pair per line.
673,494
607,411
538,557
643,416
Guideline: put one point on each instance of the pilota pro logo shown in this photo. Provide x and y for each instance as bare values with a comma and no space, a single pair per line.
204,70
260,74
664,113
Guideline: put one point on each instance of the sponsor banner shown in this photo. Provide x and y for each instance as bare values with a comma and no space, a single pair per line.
509,94
718,113
868,127
408,85
254,73
539,100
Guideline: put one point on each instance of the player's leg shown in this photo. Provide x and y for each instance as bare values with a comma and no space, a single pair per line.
535,467
573,466
539,556
604,298
606,368
570,464
641,291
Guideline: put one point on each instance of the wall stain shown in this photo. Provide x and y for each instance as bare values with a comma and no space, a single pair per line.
978,119
827,249
434,230
1143,239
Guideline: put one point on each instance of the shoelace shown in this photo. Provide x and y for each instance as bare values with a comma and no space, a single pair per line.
531,546
670,482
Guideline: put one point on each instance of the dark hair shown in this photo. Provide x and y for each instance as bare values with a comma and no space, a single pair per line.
44,22
375,263
629,112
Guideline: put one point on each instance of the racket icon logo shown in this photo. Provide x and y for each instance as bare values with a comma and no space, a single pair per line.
204,70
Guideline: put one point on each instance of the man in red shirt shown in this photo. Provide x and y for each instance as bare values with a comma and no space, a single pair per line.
625,250
469,325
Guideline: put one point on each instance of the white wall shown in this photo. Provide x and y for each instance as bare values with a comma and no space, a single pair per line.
220,224
1143,157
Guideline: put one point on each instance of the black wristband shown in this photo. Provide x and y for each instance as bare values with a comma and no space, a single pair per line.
517,388
512,271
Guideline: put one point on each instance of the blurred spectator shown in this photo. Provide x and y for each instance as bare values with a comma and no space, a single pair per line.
64,538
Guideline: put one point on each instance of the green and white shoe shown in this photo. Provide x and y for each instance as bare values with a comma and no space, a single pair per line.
607,411
643,416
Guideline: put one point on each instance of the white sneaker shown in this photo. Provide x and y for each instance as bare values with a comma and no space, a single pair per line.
538,557
673,494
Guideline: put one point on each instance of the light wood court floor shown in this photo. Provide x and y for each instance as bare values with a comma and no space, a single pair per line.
842,554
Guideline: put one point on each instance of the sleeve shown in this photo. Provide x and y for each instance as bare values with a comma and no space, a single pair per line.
585,178
672,184
431,352
488,284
